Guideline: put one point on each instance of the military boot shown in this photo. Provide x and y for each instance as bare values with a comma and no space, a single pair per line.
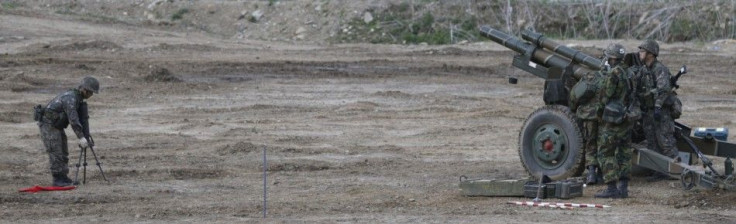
592,178
61,180
611,192
599,175
623,187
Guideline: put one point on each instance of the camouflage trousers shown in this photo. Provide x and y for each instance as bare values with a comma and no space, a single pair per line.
660,134
590,144
614,151
56,146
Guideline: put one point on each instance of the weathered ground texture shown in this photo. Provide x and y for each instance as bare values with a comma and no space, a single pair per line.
353,133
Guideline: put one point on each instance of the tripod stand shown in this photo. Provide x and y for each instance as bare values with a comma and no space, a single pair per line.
83,157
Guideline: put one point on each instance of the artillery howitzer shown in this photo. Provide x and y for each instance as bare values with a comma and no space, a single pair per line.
550,141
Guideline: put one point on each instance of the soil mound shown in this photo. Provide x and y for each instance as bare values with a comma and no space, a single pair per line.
19,82
88,45
160,74
392,93
363,106
21,78
240,147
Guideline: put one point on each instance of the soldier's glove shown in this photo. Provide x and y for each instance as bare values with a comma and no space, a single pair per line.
657,113
83,143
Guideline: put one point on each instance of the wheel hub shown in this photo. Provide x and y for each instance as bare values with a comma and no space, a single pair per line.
549,145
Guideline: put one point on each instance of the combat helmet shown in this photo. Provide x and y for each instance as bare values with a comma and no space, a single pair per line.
91,84
651,46
616,51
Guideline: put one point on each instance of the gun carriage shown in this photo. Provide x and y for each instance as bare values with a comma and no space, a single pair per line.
550,141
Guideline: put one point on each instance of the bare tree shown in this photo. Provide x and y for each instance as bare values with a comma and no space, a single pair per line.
508,14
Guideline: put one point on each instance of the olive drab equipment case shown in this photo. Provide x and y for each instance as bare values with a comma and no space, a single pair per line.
562,189
585,89
492,187
527,187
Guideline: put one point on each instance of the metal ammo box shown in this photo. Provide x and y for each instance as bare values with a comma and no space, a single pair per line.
716,133
567,189
563,189
531,188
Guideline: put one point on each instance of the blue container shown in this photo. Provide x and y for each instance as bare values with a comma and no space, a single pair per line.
717,133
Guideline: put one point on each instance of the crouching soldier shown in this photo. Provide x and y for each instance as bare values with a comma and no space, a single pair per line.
59,113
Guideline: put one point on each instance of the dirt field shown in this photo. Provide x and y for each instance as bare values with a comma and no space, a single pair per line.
353,133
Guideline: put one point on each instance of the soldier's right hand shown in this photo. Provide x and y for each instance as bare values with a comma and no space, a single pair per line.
83,143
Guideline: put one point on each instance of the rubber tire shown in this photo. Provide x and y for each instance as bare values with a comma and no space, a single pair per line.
574,163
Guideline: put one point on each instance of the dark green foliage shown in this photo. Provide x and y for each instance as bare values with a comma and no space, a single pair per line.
9,5
179,14
397,25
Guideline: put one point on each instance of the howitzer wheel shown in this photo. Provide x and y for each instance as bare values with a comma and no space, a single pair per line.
550,143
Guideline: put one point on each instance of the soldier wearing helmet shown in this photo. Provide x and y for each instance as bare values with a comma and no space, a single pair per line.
614,130
657,122
60,112
614,51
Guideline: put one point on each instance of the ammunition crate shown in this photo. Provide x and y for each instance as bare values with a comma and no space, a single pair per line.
531,188
567,189
564,189
481,187
716,133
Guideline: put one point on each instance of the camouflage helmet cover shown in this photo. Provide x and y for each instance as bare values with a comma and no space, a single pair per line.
651,46
616,51
90,83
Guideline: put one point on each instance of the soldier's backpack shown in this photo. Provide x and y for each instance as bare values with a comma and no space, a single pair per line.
585,89
674,104
615,111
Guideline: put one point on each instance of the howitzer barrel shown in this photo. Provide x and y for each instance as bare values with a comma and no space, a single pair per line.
504,39
562,50
538,56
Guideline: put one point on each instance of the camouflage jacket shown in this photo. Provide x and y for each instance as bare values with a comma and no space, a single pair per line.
63,110
615,86
654,85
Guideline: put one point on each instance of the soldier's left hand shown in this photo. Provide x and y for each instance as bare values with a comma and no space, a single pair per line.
83,143
658,113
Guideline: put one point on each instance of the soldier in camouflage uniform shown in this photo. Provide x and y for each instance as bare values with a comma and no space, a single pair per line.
657,122
614,133
587,109
59,113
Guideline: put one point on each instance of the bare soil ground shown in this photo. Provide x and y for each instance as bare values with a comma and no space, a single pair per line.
353,133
